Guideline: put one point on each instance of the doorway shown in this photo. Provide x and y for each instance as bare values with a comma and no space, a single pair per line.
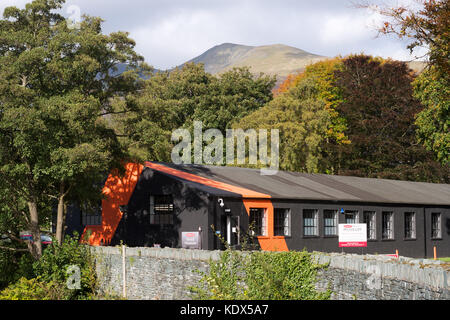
230,230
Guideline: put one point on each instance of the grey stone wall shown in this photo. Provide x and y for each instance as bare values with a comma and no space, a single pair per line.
153,273
373,277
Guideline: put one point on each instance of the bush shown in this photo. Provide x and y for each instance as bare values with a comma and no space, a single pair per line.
47,278
259,275
32,289
55,261
282,276
13,266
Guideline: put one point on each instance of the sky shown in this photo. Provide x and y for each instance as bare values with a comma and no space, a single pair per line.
170,32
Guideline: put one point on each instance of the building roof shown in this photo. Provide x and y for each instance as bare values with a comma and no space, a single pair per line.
249,183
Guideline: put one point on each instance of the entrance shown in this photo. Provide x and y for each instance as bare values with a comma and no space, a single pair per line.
230,230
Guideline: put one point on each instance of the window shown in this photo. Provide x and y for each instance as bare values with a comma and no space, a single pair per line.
258,221
351,216
388,225
282,223
369,220
161,209
91,215
330,222
410,225
436,225
310,222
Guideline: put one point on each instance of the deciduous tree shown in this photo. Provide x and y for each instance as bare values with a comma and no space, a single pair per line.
380,110
56,88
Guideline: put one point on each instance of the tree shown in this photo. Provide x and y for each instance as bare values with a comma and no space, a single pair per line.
166,102
302,120
233,95
322,73
380,110
350,116
175,99
56,88
427,25
433,123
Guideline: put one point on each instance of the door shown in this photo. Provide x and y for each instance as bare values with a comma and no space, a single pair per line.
230,230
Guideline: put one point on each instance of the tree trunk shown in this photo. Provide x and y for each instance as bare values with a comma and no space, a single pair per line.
60,215
34,246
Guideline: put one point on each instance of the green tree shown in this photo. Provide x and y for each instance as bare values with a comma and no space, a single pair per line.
56,88
302,119
433,122
167,100
175,99
233,95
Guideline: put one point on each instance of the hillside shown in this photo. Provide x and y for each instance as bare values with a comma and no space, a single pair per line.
278,59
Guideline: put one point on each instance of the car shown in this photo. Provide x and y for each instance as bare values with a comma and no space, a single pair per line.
45,238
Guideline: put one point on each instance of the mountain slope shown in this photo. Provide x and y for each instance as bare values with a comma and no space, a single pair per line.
277,59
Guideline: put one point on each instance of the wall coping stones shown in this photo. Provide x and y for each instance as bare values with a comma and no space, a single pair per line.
434,274
162,253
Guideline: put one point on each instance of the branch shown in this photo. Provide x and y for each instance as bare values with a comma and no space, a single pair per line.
13,236
13,249
112,112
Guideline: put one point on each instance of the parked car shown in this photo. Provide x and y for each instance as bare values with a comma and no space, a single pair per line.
45,238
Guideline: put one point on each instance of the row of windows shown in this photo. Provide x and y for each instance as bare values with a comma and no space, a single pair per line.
282,223
161,212
162,209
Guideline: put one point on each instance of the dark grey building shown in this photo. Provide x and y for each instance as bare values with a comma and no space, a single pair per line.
287,211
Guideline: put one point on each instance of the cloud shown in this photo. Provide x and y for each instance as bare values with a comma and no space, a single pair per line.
170,32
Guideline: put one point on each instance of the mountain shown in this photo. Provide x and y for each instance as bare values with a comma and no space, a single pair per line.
277,59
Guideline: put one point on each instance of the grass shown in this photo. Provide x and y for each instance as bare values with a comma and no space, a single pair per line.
446,259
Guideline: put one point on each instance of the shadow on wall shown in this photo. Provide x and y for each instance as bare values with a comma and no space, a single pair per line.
117,191
136,229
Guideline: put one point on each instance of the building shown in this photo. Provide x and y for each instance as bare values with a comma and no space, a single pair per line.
153,204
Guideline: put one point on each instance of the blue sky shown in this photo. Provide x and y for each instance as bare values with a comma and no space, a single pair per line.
170,32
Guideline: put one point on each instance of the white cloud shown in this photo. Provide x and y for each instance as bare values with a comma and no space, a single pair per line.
170,32
9,3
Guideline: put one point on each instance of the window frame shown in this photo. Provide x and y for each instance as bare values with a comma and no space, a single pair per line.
439,223
91,216
285,226
315,226
355,213
409,226
389,224
261,225
372,226
335,219
162,216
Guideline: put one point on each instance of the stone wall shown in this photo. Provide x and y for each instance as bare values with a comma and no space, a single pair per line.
153,273
378,277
